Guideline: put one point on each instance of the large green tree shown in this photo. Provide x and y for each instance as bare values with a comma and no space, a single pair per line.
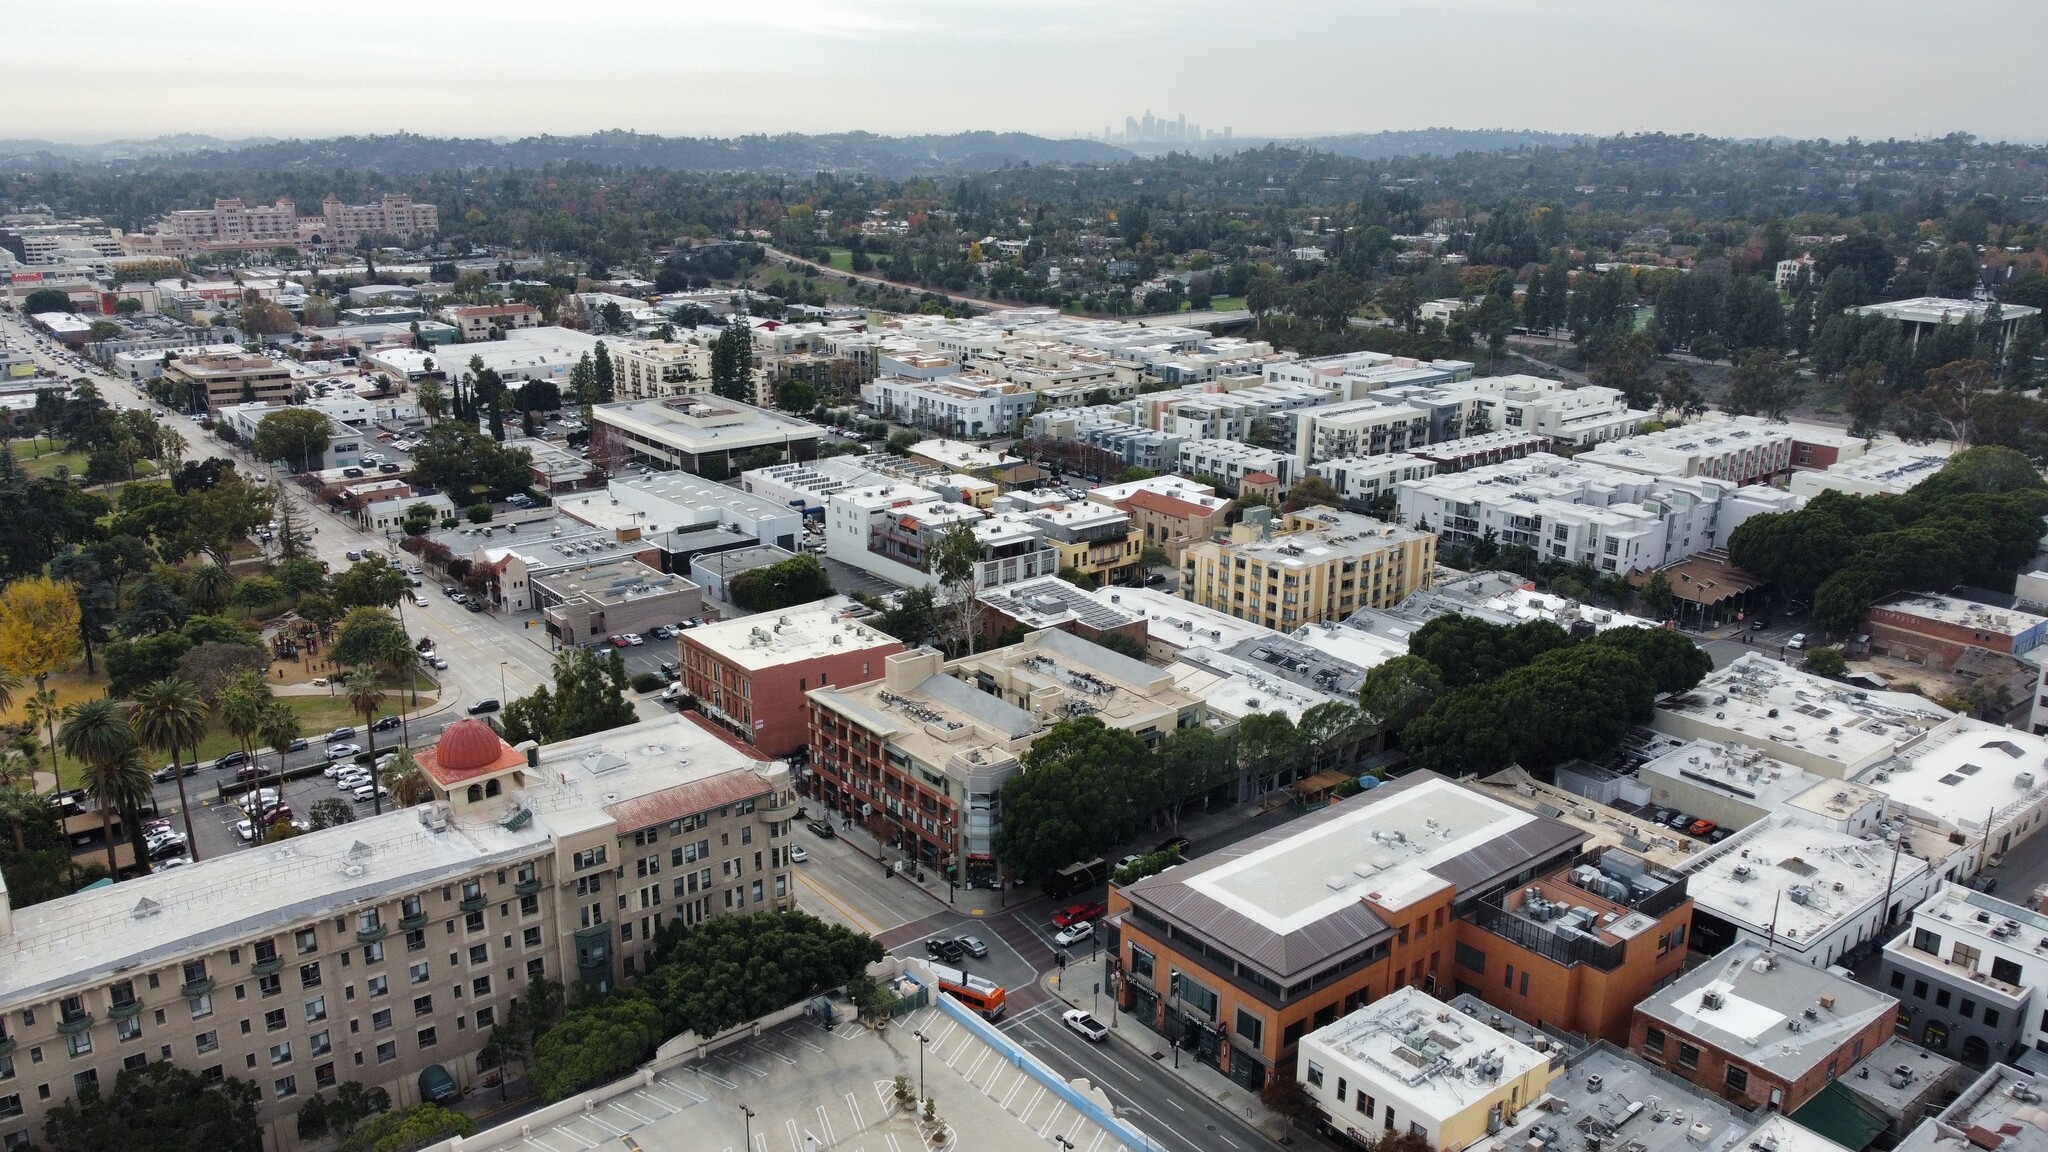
1082,788
596,1043
158,1107
731,969
297,436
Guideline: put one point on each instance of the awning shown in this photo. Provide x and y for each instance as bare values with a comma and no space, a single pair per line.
1835,1113
1320,782
437,1085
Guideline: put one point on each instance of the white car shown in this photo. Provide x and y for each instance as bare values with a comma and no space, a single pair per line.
1090,1029
1797,643
1074,933
334,770
798,854
350,781
260,798
340,750
364,794
633,639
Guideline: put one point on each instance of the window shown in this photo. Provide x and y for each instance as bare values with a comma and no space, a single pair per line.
10,1106
1141,962
419,972
268,985
206,1042
316,1009
128,1029
286,1086
426,1038
1653,1042
309,975
474,922
531,937
1991,1017
379,985
273,1020
1251,1027
536,968
307,941
80,1044
1966,956
2006,970
1942,997
380,1019
1315,1073
321,1044
373,953
1688,1056
480,987
387,1051
281,1053
323,1075
1927,942
416,940
1898,979
529,905
423,1006
1738,1079
485,1017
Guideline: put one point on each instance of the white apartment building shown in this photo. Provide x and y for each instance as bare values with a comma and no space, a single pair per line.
1739,449
1887,469
1983,784
1969,973
1364,479
853,518
230,223
1570,510
1229,462
1358,428
654,369
964,404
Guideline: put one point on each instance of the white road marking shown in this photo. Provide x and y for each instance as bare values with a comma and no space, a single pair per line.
825,1122
1058,1107
853,1106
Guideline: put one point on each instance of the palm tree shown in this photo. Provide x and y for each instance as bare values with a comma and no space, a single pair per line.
208,588
280,731
9,685
366,696
18,806
171,715
42,709
240,705
96,734
409,785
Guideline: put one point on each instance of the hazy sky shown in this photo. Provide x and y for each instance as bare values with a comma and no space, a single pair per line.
87,70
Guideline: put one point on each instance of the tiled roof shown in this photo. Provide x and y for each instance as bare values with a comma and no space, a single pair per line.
687,799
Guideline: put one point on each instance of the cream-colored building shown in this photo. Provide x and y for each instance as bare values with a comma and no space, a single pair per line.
383,951
657,370
232,378
1410,1063
1324,564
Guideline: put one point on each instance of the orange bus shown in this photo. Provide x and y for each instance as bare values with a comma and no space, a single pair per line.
983,995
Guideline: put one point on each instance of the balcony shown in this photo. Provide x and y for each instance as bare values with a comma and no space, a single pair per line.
474,903
412,920
527,887
124,1010
371,934
193,989
268,967
75,1024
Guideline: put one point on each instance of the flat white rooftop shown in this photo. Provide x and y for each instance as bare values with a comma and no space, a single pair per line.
789,636
1788,713
1809,879
1965,772
1179,622
1381,853
1352,645
1412,1047
2007,622
1233,689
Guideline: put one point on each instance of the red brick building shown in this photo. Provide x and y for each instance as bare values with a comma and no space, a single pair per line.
1761,1030
750,674
1936,630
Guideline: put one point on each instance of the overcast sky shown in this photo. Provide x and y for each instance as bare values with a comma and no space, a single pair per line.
89,70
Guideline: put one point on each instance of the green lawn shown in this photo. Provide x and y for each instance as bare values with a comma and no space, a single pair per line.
46,464
842,260
1225,303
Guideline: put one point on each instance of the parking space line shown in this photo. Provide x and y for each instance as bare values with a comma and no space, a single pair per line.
794,1038
986,1052
667,1083
607,1126
853,1106
666,1108
538,1143
630,1112
721,1081
1058,1107
791,1060
577,1137
825,1122
1025,1115
796,1136
1096,1143
1012,1093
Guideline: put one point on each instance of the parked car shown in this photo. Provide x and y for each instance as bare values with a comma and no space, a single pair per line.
973,946
670,672
248,772
1090,1029
173,771
369,792
1797,642
1759,622
351,780
1173,844
439,664
1681,820
231,759
338,751
616,641
385,724
345,732
483,706
822,829
1701,828
474,605
1077,913
353,555
300,745
1067,937
633,639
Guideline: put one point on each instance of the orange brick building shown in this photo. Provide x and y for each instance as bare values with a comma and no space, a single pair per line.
1579,948
1762,1031
1236,957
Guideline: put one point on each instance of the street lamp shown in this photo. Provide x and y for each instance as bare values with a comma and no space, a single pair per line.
922,1040
501,681
748,1113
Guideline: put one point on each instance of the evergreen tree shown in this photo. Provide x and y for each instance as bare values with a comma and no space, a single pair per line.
602,373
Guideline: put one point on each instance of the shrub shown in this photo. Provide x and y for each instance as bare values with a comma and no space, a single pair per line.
479,513
646,682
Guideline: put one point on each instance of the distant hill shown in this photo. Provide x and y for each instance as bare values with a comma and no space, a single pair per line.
1384,145
790,154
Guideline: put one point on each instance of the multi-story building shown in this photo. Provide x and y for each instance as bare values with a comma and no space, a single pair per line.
1887,469
1358,428
1981,786
967,404
1811,722
1577,949
652,369
706,437
1924,314
232,224
482,321
1324,565
1228,462
1571,511
1408,1064
1965,971
383,951
1480,450
1169,512
231,378
1738,449
1236,957
616,596
751,675
1760,1031
1364,479
1098,540
920,756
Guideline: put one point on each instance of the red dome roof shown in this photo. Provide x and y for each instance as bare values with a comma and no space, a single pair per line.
467,744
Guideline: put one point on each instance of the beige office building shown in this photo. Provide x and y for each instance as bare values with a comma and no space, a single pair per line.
383,951
232,378
1323,564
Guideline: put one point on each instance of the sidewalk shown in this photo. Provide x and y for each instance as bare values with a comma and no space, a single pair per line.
1150,1045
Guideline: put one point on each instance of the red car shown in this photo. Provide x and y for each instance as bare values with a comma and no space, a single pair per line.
616,641
1076,914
